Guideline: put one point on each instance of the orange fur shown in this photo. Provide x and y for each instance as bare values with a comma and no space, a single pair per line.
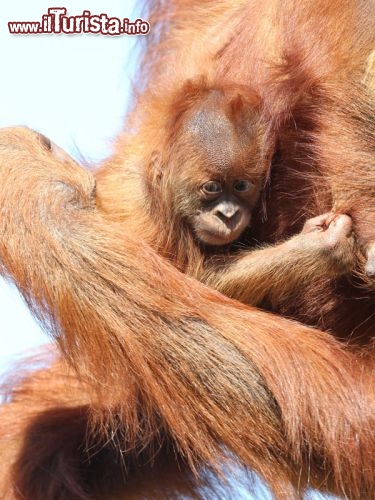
170,371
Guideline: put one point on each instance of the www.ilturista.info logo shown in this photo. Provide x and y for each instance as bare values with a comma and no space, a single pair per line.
56,21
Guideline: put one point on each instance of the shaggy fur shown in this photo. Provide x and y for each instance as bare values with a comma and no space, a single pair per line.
173,376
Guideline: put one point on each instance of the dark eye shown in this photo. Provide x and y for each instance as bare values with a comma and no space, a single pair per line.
242,186
212,187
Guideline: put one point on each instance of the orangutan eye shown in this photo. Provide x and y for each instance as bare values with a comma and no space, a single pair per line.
212,187
242,186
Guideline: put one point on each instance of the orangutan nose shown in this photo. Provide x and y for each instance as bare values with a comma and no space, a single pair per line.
226,211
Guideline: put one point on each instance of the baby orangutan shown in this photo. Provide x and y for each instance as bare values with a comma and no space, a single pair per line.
218,162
